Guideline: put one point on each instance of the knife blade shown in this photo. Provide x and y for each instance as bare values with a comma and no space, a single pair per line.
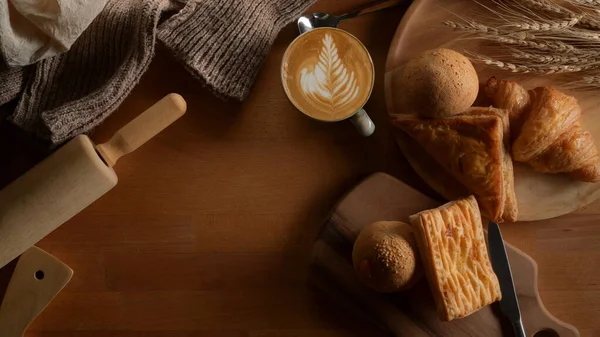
509,303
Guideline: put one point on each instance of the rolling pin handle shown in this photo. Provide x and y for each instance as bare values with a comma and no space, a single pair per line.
143,128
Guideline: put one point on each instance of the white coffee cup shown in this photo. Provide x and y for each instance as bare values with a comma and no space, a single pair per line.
328,74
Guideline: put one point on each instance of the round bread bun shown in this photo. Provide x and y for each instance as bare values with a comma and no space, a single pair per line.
386,258
437,83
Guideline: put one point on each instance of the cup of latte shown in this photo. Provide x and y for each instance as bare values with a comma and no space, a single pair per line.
328,75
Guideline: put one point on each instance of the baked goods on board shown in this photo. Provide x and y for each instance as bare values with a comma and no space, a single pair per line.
386,258
542,128
446,243
548,134
455,258
471,148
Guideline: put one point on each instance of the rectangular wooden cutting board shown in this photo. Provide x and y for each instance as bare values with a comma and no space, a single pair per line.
412,313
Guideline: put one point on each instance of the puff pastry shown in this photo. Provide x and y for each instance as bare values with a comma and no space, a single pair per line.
549,135
429,170
471,148
511,209
455,257
511,96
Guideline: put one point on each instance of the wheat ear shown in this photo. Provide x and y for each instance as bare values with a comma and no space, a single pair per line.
487,31
544,27
471,27
552,46
581,35
586,3
519,68
588,22
589,80
548,7
591,61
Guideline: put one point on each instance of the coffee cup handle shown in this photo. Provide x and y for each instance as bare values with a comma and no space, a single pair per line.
363,123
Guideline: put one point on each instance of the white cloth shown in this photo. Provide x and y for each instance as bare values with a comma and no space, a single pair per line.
31,30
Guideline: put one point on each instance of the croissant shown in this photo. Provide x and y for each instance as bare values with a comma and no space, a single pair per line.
547,130
511,96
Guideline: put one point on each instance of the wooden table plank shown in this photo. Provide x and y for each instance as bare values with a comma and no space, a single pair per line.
209,231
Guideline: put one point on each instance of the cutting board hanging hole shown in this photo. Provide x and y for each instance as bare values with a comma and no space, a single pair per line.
39,275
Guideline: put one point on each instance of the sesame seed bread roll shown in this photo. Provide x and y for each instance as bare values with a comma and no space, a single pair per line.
385,256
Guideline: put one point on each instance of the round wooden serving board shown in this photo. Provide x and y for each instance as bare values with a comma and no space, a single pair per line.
540,196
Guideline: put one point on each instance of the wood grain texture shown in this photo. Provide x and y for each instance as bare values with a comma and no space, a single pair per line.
540,196
381,197
249,184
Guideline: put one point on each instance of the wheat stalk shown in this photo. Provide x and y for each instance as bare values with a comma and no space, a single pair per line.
519,68
577,34
589,80
543,37
523,39
588,22
544,46
548,7
580,62
483,30
587,3
543,26
471,27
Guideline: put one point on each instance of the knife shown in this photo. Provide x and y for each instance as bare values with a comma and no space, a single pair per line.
509,303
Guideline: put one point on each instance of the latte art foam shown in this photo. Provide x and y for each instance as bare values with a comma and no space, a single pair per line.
327,74
330,84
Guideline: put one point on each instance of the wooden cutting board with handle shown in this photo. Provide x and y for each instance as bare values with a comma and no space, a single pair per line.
412,313
38,277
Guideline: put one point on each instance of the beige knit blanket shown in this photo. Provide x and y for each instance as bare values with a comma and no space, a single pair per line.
221,42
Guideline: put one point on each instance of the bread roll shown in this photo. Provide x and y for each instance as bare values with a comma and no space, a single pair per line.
385,256
437,83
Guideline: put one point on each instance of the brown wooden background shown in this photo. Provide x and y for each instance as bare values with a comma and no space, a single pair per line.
209,231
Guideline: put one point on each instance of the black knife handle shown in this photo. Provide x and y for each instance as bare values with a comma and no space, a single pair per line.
519,329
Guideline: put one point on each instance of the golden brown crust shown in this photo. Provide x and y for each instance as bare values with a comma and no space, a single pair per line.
511,96
552,114
455,258
468,147
552,139
386,258
429,170
437,83
510,205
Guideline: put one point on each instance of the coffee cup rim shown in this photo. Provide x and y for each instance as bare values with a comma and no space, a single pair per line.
370,61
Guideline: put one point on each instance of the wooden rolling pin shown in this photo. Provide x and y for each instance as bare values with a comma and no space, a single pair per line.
71,179
36,280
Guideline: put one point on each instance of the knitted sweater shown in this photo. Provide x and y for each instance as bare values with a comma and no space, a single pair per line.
222,43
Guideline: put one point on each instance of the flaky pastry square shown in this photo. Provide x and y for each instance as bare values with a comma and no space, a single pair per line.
454,253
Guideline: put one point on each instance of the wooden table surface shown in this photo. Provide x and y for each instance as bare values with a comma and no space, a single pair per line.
209,231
